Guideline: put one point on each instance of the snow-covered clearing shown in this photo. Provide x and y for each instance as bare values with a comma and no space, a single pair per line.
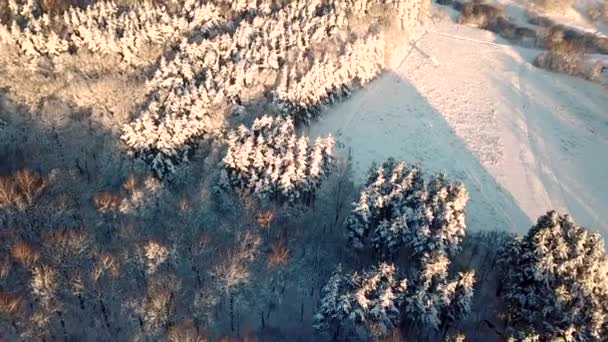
523,140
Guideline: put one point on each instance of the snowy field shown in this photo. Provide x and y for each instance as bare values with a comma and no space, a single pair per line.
464,102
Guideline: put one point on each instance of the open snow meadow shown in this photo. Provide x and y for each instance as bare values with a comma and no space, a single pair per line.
303,170
522,139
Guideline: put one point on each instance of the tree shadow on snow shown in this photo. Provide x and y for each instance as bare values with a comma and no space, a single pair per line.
567,134
389,118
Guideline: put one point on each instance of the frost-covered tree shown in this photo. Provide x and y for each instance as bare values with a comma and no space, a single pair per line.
272,162
379,299
397,208
556,281
333,309
462,296
399,211
379,218
435,300
208,62
439,217
103,27
371,298
294,56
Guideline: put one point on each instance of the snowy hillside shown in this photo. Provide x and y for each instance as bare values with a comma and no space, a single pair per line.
464,102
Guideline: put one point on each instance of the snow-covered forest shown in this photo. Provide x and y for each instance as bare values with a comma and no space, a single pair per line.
159,182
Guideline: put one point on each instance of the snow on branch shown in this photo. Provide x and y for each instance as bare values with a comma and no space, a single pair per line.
294,59
556,281
398,209
102,28
371,298
270,161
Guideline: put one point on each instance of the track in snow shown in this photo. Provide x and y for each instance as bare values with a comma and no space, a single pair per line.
523,140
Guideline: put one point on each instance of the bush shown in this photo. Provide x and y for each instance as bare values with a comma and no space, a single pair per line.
279,254
8,192
554,6
106,201
480,14
25,254
185,332
57,6
31,185
5,12
566,55
10,305
22,189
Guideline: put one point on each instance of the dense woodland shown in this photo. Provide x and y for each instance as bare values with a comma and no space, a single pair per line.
175,199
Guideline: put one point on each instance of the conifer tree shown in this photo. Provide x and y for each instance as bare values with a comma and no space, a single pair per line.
556,281
271,162
371,298
397,212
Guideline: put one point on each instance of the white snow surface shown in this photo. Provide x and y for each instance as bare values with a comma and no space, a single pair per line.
463,102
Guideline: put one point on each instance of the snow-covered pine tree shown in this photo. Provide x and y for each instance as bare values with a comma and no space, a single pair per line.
396,208
461,295
556,281
102,27
379,219
272,162
272,58
433,300
438,221
371,298
332,311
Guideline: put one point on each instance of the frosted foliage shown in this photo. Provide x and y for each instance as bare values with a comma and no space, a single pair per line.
270,161
154,306
556,280
331,308
295,58
102,27
397,208
371,298
44,283
379,218
434,299
439,219
218,57
155,254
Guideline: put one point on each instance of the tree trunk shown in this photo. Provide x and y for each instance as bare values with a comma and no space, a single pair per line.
262,320
231,313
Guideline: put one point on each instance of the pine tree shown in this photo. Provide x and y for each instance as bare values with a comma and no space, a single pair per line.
435,300
271,162
371,298
380,218
331,311
438,221
398,211
556,281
